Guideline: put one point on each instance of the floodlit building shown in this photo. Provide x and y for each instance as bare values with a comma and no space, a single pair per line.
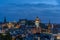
35,30
37,22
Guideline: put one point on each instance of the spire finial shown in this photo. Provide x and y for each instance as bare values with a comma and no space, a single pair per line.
4,19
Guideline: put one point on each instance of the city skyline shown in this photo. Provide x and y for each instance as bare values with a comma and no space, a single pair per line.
29,19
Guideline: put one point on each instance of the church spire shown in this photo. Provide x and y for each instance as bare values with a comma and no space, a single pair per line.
37,22
5,20
37,19
49,27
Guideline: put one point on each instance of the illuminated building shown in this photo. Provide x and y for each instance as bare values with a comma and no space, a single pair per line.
34,30
34,27
22,21
10,25
17,25
49,27
37,22
37,28
57,36
4,25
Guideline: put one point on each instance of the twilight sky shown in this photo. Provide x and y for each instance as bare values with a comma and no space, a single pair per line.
30,1
13,10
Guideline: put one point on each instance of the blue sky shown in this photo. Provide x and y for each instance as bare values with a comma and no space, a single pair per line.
6,2
30,1
13,12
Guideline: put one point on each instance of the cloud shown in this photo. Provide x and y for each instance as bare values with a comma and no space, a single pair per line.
58,1
54,2
29,1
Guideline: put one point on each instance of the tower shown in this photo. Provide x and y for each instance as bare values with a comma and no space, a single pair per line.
37,22
4,25
5,20
49,27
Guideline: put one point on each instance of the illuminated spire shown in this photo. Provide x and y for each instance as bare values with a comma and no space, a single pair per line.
49,24
37,21
49,27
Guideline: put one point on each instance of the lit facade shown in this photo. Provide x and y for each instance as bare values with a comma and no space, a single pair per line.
37,22
21,29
